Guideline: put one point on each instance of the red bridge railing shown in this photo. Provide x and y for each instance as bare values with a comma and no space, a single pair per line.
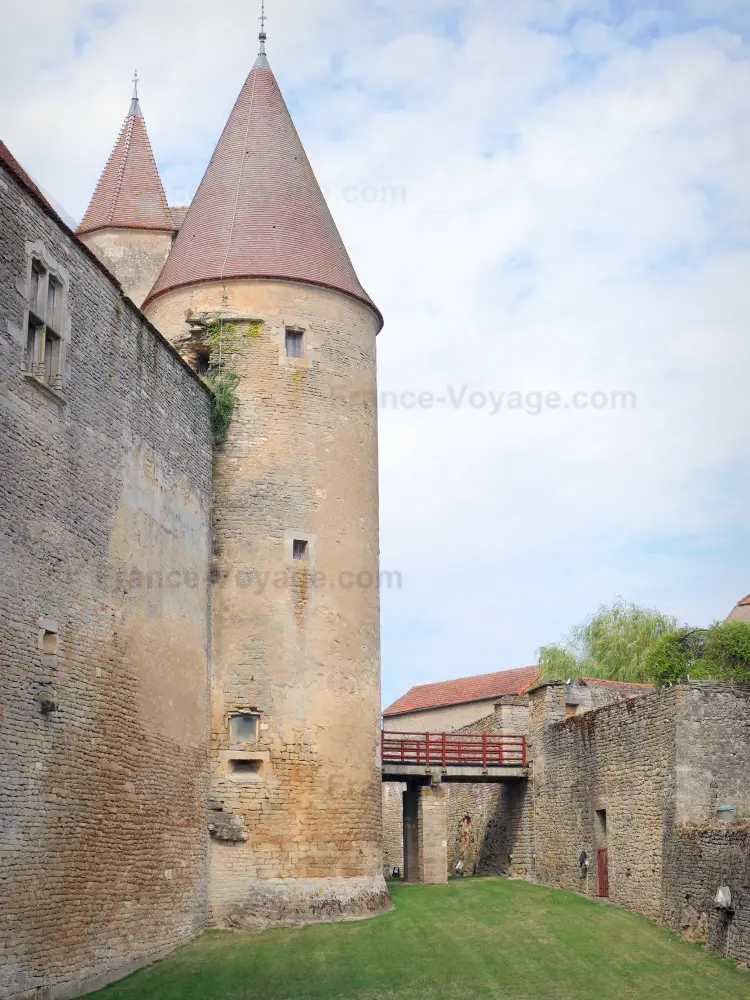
454,749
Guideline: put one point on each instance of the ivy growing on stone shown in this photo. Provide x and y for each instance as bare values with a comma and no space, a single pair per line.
225,342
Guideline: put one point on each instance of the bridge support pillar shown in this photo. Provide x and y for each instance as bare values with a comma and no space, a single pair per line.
425,833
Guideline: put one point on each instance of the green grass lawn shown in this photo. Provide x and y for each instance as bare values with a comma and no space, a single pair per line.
470,938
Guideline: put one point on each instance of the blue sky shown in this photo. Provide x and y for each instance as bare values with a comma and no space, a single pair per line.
561,205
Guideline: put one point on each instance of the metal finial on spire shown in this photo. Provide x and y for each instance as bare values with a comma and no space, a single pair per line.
261,60
262,36
135,108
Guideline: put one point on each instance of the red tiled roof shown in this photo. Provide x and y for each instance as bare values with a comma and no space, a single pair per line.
129,194
481,687
178,213
259,211
744,603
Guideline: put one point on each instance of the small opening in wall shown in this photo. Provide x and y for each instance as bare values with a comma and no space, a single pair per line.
293,340
245,768
50,642
299,549
601,827
243,728
202,360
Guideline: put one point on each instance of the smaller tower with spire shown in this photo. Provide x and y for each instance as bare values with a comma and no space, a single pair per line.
128,224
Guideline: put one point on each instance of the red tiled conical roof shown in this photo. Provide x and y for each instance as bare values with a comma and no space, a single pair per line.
129,194
259,211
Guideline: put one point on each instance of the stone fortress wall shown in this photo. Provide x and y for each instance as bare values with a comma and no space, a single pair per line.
643,779
105,491
489,824
635,773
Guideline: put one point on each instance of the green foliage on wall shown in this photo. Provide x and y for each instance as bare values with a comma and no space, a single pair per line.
226,342
223,386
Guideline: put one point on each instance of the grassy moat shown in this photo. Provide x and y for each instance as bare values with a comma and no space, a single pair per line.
471,938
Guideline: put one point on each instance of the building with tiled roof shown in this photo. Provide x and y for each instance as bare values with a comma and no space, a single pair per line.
741,611
447,705
254,282
259,211
128,223
178,213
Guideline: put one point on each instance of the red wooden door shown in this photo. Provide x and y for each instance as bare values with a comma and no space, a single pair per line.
602,870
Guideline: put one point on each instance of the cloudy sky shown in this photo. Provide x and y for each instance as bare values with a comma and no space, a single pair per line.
543,197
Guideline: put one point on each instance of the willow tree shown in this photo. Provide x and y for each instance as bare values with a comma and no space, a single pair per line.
614,643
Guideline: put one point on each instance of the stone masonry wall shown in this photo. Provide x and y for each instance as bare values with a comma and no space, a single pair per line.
713,751
393,822
296,641
433,838
620,761
655,768
134,256
104,548
489,824
697,861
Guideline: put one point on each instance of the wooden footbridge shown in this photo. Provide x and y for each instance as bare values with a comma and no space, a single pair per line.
452,757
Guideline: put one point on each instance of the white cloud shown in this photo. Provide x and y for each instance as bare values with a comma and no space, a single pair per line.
575,215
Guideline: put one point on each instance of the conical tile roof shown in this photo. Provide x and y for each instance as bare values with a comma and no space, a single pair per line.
259,211
129,194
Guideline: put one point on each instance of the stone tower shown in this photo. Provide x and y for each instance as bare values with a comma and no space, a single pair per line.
259,271
128,224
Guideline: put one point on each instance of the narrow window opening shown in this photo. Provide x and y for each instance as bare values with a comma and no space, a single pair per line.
243,728
53,299
50,643
293,344
52,359
245,768
34,289
32,345
202,361
299,549
601,827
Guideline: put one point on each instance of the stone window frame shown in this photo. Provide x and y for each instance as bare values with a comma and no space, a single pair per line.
46,339
290,537
294,337
292,325
242,713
